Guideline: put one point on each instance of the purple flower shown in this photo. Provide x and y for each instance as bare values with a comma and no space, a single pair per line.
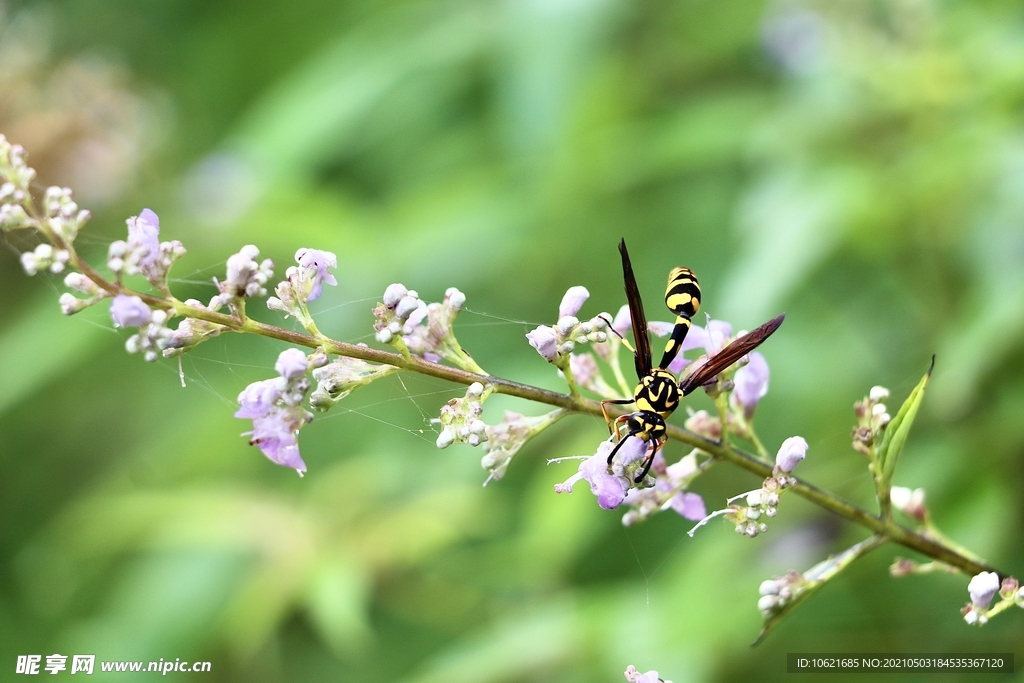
983,588
545,340
791,452
144,239
257,399
276,436
130,311
610,489
689,505
751,383
320,261
291,364
573,301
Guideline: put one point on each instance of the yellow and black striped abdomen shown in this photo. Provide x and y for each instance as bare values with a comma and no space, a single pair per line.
682,296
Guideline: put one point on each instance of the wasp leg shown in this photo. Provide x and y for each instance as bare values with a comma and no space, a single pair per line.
658,443
619,445
604,411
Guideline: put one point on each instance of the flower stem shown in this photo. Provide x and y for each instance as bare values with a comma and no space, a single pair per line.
575,403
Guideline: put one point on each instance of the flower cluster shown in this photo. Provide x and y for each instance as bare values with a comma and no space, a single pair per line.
192,331
776,593
556,343
71,304
669,492
460,418
982,589
401,310
131,311
246,278
872,417
303,283
759,504
504,439
424,330
342,376
143,253
275,408
611,482
16,176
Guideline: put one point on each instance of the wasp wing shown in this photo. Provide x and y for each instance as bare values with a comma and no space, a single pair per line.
729,355
641,339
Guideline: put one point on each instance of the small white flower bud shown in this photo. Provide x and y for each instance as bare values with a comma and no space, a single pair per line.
29,263
878,393
771,499
751,530
762,527
446,438
573,301
455,298
393,294
395,327
754,498
473,440
878,409
768,587
790,454
753,513
767,604
567,347
384,336
70,304
413,293
117,249
477,426
406,306
475,390
598,337
971,617
771,511
567,323
983,588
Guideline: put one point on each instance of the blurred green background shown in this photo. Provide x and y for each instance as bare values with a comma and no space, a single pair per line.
859,165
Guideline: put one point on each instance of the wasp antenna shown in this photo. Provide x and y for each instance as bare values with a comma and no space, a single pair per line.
932,366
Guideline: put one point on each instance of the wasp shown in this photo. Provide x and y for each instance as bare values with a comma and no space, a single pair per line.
657,392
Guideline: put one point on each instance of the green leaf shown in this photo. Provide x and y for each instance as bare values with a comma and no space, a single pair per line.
897,430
